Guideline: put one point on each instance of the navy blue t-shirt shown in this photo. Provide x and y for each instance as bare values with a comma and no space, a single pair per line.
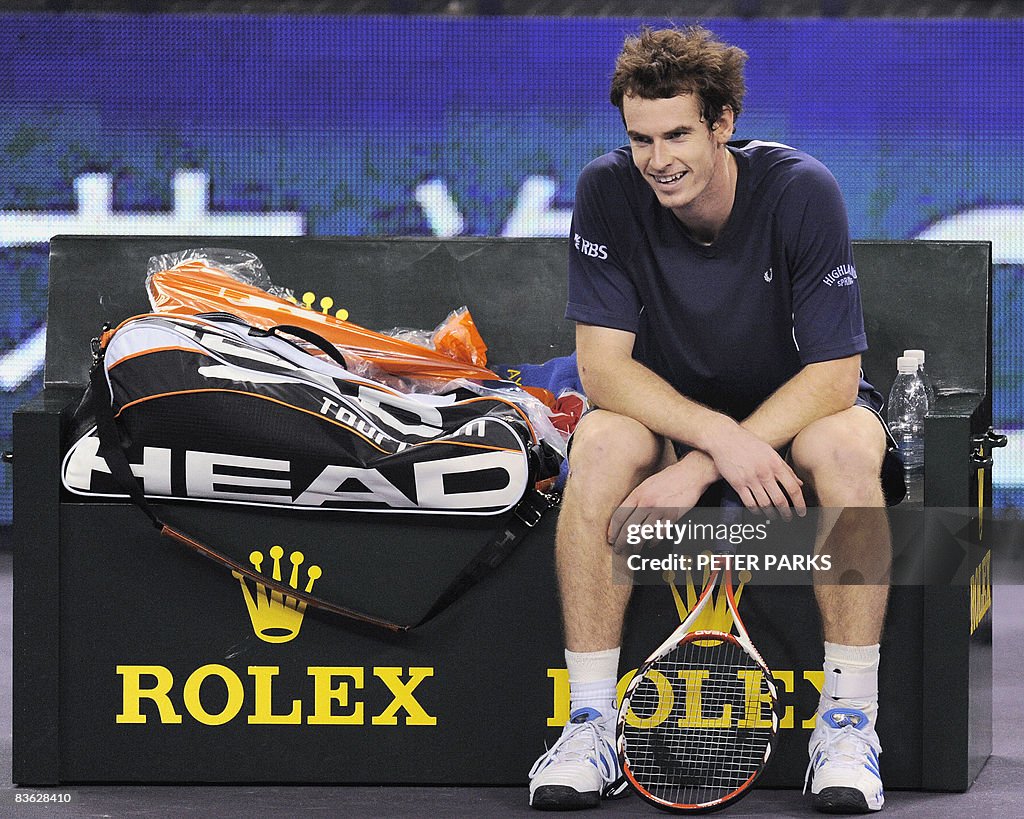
725,324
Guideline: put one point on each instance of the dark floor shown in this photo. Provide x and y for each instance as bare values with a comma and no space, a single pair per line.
999,790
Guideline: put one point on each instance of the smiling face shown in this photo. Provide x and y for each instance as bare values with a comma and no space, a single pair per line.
684,161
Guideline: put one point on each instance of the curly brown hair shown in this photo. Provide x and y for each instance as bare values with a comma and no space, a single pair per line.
664,63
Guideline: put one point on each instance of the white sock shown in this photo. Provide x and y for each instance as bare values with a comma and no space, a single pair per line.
851,678
592,679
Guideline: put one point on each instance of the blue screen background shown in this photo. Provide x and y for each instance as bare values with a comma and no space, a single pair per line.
339,122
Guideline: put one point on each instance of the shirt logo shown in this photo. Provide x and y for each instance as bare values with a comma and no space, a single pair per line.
588,248
842,276
769,274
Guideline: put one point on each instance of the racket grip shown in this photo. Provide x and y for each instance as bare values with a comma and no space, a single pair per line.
730,512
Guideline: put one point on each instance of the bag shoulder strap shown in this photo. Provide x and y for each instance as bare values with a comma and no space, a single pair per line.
524,517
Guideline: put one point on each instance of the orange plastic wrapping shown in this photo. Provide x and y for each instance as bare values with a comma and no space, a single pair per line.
458,338
195,287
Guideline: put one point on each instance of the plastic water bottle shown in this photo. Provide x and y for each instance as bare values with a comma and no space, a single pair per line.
928,385
906,409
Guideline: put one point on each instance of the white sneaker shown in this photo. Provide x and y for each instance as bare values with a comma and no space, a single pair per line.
843,770
581,767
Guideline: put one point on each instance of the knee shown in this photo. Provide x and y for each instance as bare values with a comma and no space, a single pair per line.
606,443
842,463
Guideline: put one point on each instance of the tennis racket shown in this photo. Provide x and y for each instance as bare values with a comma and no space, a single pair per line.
698,722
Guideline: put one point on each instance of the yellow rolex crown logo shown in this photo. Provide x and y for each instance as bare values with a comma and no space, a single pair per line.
276,617
716,615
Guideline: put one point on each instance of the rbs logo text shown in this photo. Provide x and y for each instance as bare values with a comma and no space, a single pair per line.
588,248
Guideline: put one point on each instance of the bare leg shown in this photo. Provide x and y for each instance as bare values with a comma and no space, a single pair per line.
841,457
611,454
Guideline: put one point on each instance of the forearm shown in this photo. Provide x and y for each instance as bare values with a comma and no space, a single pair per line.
635,391
817,391
631,389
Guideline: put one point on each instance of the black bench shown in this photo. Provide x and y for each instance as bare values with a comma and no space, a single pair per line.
136,661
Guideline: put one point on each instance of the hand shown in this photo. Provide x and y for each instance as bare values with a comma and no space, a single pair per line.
664,496
760,476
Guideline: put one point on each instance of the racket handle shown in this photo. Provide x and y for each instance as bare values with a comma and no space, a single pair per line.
731,509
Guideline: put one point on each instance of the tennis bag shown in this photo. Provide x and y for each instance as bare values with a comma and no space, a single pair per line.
211,409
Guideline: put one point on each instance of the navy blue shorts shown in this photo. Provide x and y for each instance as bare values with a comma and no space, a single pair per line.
894,487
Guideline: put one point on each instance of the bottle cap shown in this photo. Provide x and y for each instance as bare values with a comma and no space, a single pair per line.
906,364
917,354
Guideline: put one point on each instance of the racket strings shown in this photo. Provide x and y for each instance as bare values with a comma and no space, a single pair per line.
701,725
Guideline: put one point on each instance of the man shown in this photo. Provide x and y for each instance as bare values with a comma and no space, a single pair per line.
718,325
